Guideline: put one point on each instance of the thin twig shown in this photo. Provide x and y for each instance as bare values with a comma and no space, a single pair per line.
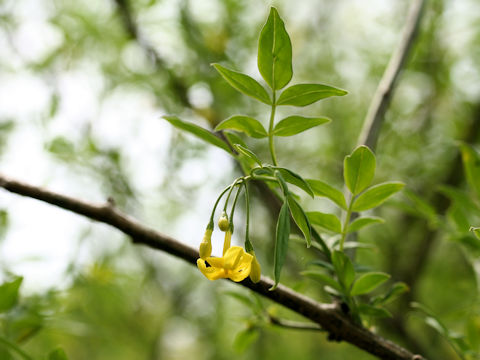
328,316
381,99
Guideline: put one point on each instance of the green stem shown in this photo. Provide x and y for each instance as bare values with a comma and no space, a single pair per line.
230,193
248,244
210,224
346,223
233,207
270,130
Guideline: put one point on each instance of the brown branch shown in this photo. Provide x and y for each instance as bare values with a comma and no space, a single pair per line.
328,316
381,99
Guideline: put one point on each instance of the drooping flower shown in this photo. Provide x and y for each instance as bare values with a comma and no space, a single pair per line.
235,264
255,271
205,249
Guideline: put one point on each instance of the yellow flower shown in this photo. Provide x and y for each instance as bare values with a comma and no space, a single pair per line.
206,245
256,270
235,264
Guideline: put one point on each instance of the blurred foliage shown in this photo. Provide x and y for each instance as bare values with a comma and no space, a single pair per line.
141,59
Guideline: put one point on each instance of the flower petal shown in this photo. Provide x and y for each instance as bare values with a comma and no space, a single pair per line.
239,274
232,257
211,273
215,261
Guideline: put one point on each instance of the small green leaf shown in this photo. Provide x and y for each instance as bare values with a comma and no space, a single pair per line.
344,269
306,94
244,83
248,153
360,223
293,125
295,179
368,282
359,169
300,218
248,125
198,131
275,52
395,291
321,188
471,164
324,278
57,354
326,221
9,294
376,195
281,243
374,311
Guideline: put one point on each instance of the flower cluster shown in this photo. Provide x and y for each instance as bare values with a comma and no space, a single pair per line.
235,264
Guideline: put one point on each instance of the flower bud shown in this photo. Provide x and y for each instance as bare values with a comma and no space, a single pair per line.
206,245
223,222
255,269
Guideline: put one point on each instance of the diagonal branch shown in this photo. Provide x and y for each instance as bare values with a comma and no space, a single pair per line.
328,316
381,99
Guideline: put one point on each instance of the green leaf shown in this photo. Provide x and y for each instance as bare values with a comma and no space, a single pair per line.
275,52
323,278
9,294
57,354
248,125
471,164
376,195
198,131
295,179
248,153
359,169
360,223
306,94
234,139
326,221
281,243
300,218
368,282
293,125
373,311
395,291
321,188
244,83
344,269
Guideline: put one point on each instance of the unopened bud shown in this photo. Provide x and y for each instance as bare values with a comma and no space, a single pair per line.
206,245
256,270
223,223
